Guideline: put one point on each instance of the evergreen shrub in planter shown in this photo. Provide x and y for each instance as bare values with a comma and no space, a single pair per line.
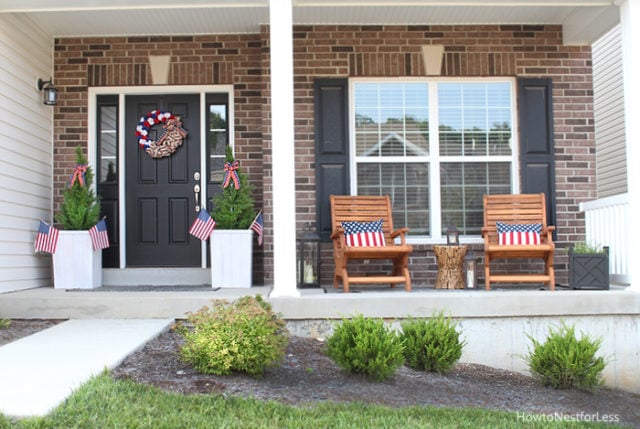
588,267
232,240
75,264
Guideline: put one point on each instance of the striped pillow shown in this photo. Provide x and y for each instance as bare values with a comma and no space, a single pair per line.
363,234
518,233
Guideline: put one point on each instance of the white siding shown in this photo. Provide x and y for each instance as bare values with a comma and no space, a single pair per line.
26,54
611,163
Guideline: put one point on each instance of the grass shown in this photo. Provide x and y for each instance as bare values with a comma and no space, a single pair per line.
105,403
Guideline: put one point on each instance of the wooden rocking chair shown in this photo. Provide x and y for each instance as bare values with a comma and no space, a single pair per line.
346,208
517,209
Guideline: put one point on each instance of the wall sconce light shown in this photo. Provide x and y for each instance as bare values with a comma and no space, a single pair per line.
50,93
453,236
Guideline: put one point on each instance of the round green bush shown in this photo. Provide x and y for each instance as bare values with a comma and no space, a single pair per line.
564,362
431,345
244,336
365,346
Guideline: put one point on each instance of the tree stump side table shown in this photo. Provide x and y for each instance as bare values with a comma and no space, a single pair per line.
450,260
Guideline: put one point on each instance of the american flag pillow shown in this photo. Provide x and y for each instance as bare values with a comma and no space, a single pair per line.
363,234
518,233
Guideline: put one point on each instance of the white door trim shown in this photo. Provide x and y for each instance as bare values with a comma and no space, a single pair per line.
122,92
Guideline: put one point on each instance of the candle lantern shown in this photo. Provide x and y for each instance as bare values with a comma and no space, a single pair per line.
453,236
308,268
470,263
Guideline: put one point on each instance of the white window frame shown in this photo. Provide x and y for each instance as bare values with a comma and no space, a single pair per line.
434,159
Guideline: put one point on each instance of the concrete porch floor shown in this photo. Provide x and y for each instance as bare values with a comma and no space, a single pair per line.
49,303
496,325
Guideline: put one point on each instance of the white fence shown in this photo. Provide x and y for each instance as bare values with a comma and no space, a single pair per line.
606,221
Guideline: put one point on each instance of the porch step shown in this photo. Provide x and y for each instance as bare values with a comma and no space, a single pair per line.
38,372
156,276
520,278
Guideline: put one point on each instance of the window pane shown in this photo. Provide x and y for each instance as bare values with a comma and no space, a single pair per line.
462,188
474,118
108,144
391,119
473,122
408,188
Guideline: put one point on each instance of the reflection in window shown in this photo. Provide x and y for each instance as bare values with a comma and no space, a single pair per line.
108,144
397,152
391,119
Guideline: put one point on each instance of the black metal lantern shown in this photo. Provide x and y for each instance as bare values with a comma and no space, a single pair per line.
453,236
470,263
308,267
49,92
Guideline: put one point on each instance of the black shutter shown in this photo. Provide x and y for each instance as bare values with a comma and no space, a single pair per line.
535,103
332,147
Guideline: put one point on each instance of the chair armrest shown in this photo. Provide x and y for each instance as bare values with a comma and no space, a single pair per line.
337,233
400,232
485,234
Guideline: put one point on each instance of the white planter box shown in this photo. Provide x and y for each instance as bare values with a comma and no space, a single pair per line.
231,258
75,264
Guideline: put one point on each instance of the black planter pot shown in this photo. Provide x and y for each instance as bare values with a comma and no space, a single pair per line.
589,270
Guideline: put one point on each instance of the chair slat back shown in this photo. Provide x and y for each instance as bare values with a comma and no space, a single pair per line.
361,208
514,208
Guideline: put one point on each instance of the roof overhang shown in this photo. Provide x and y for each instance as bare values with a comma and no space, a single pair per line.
583,21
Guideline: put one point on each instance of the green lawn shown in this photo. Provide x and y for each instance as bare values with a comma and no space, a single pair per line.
105,403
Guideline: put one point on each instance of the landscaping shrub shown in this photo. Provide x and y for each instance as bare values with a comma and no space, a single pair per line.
563,361
245,336
431,345
365,346
4,323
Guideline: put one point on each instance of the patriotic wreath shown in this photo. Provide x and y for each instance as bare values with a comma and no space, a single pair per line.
171,138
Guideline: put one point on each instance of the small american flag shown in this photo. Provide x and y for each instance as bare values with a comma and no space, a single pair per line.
258,226
203,226
363,234
518,234
46,239
99,237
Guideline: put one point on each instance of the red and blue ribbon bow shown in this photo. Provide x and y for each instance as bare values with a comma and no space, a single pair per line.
78,174
231,173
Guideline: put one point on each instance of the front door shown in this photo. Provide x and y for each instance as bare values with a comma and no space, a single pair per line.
160,198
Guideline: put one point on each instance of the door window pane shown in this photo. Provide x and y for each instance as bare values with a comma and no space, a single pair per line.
218,141
108,144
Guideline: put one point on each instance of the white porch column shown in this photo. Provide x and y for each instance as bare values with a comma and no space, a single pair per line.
630,19
282,148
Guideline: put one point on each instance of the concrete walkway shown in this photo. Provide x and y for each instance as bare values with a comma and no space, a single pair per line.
39,372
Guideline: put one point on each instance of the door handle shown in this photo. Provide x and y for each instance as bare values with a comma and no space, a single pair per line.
196,191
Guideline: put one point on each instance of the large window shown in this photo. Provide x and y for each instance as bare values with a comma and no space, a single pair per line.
435,147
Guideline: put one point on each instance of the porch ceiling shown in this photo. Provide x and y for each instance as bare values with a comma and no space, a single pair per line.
583,20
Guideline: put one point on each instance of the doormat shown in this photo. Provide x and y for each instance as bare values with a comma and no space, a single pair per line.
149,288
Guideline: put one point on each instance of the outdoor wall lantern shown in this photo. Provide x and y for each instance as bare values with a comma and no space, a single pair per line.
453,236
308,268
50,93
470,263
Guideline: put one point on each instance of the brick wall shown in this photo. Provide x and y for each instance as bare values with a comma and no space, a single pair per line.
80,63
339,51
510,50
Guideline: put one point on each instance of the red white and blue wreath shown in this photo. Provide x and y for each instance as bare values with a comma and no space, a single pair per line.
170,139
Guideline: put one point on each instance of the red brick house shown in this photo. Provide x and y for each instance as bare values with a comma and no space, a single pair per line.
305,92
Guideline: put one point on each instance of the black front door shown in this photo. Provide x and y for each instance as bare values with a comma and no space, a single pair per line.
160,199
